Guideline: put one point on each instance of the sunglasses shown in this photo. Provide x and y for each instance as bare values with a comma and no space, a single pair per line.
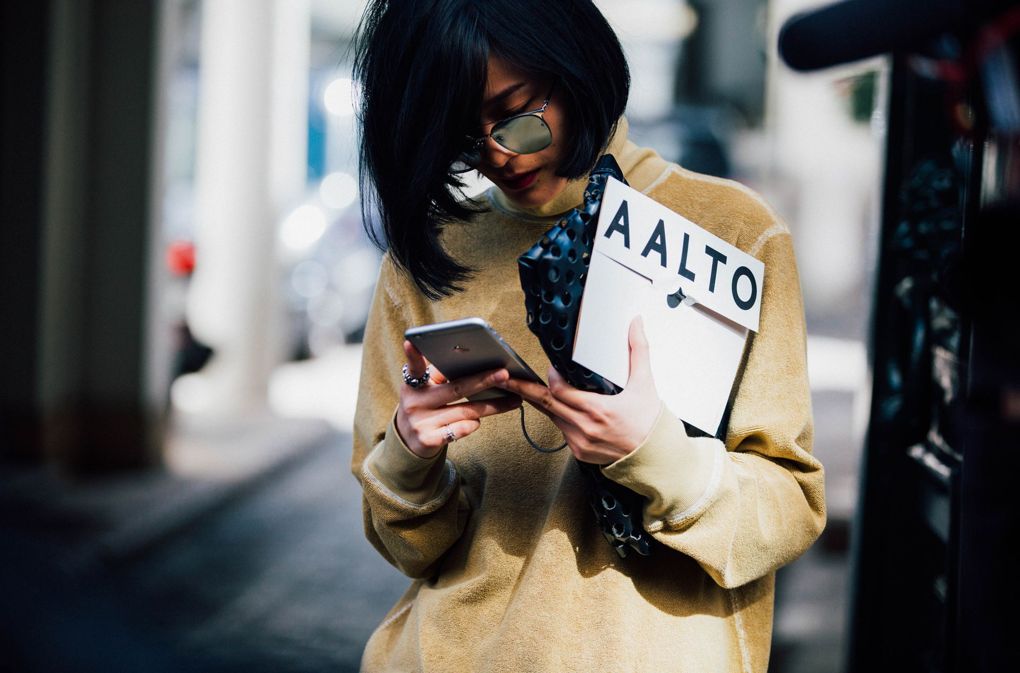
523,133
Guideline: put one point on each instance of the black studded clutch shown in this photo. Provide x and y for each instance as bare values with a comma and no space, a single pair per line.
553,274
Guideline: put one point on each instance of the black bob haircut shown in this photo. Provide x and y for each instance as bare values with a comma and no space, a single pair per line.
422,64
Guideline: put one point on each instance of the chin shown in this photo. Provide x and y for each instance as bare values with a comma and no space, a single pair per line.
541,193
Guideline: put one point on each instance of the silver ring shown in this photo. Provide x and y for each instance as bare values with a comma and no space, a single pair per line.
449,434
416,381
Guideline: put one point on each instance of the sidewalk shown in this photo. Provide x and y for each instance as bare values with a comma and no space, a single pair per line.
246,548
208,465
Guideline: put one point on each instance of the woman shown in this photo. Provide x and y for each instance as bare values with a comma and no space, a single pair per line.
511,573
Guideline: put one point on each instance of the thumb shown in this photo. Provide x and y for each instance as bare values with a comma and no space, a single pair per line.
640,362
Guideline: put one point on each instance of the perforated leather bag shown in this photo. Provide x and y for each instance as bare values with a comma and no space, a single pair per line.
553,273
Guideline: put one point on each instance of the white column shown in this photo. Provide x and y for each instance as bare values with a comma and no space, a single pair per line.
250,166
834,164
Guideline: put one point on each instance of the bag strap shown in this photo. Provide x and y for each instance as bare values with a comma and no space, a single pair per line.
536,447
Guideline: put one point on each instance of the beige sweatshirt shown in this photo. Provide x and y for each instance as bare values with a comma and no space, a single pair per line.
511,573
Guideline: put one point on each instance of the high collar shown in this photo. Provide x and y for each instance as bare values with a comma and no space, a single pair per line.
640,166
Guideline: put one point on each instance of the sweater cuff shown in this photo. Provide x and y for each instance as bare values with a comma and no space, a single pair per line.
406,475
678,474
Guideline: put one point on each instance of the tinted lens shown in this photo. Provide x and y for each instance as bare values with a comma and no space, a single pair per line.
523,135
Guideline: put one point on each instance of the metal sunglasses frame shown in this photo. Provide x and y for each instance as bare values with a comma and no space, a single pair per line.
477,143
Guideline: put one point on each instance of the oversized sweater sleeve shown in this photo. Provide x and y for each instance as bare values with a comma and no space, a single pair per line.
744,507
413,507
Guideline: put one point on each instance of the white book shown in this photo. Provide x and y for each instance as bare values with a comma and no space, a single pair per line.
642,255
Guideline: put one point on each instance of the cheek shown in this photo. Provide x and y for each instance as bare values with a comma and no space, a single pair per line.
557,153
559,130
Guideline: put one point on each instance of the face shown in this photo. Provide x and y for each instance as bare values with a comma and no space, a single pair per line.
528,180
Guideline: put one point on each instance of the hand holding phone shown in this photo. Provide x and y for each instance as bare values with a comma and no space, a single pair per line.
473,360
461,348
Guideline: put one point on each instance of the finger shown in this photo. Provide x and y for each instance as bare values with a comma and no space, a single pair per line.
574,438
467,386
568,394
542,399
640,363
474,411
566,428
451,432
416,362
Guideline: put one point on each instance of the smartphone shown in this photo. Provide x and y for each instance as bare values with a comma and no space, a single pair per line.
468,346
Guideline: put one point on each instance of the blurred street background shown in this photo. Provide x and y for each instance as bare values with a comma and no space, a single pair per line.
179,393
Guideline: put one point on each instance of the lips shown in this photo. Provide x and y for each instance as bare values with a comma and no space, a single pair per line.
521,181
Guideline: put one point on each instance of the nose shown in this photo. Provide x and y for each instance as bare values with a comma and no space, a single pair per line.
495,154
